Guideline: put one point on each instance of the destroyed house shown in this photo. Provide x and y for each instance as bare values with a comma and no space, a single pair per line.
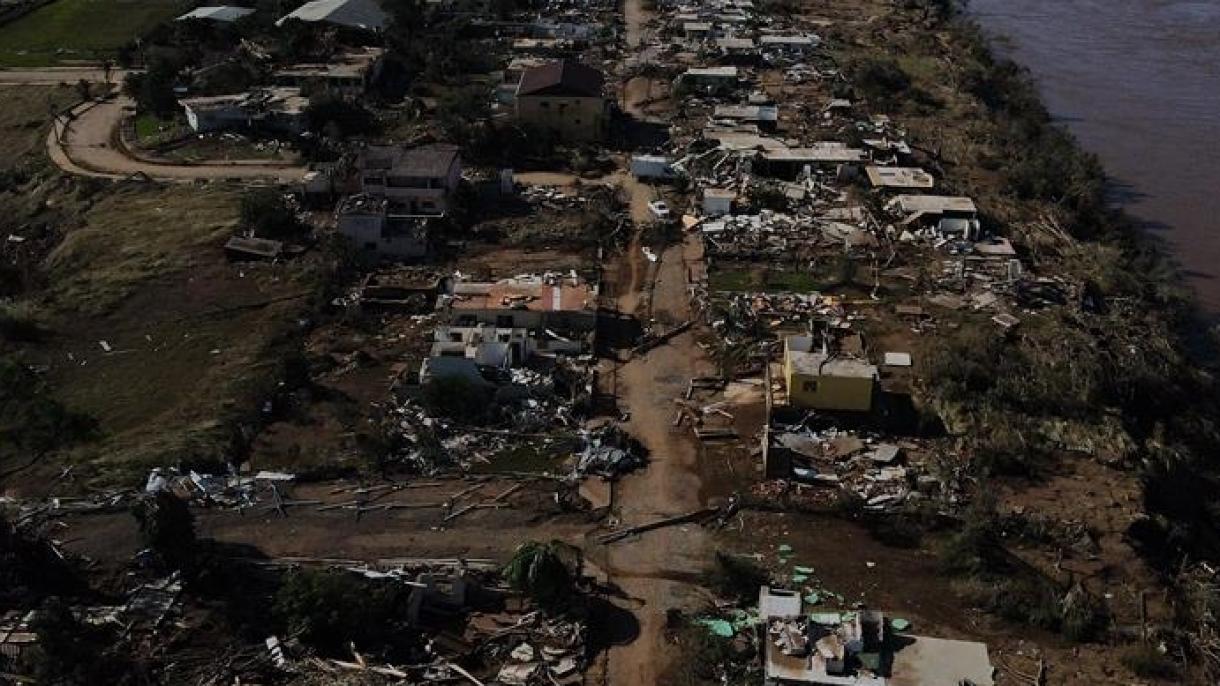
765,117
417,181
707,80
795,43
371,225
275,110
823,381
803,646
343,75
563,305
788,163
566,98
494,346
951,216
899,177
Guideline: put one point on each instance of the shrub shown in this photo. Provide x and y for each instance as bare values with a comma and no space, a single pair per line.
270,215
1147,662
30,420
737,577
329,609
457,398
19,322
881,80
167,527
546,572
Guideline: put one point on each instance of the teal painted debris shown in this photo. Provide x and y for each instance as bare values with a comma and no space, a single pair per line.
718,627
899,624
802,570
813,599
785,549
800,578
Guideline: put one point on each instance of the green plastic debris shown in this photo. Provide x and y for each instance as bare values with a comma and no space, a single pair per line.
900,624
826,618
718,627
802,570
813,598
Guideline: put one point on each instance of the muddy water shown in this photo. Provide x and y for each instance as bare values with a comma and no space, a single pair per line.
1138,82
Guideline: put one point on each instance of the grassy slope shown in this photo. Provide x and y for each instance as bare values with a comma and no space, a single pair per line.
140,266
23,119
81,29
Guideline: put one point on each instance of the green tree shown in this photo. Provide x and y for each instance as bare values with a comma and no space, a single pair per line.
546,572
270,215
153,89
329,609
167,527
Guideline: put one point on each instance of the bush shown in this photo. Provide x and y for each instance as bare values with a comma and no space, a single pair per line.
1147,662
329,609
19,322
457,398
338,117
881,80
167,528
71,652
270,215
30,420
737,577
546,572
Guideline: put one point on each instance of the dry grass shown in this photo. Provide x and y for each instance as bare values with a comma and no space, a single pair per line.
24,117
133,235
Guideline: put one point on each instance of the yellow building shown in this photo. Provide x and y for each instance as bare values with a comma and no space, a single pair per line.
820,381
565,97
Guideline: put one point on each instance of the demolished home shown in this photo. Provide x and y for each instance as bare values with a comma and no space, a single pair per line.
561,304
418,181
823,381
707,80
343,75
899,177
803,646
950,216
273,110
564,97
373,227
765,117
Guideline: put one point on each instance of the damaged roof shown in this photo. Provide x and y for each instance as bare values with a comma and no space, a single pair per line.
427,161
561,77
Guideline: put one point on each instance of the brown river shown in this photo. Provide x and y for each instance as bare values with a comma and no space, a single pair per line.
1138,82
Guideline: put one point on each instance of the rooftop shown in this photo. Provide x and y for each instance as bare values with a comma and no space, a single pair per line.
563,77
899,177
426,161
222,13
934,204
361,14
537,295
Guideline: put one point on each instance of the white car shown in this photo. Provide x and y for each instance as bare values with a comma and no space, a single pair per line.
659,209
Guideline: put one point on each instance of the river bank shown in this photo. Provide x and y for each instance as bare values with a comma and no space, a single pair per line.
1138,83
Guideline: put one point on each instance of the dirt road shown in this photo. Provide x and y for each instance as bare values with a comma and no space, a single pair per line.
53,76
86,144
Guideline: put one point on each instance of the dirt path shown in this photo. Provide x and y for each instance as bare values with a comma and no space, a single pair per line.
53,76
85,144
654,571
634,18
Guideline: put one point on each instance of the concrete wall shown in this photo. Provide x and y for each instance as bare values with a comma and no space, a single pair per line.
574,119
849,393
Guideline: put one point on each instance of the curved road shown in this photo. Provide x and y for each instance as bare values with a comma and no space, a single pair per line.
84,142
